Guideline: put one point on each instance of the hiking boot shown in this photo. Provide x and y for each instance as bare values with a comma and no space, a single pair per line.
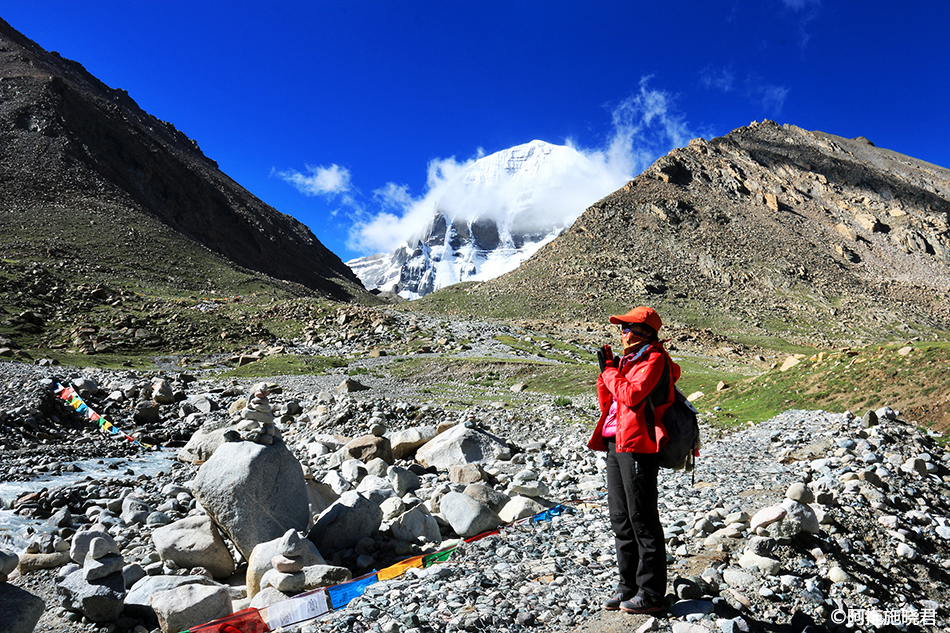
639,604
613,602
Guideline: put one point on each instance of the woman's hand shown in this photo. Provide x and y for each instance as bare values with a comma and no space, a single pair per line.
605,357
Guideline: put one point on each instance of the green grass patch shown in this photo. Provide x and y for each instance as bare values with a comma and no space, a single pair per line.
284,365
917,384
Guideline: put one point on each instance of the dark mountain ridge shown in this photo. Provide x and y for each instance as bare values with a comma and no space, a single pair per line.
83,168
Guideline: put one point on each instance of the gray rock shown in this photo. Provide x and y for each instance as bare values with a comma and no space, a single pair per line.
186,606
147,413
369,447
737,578
341,526
404,443
353,470
253,492
289,545
494,499
202,445
520,508
308,578
467,516
267,597
132,573
137,599
768,566
336,482
134,510
417,524
8,562
100,600
376,489
21,609
800,492
321,497
98,568
403,480
194,542
82,539
460,445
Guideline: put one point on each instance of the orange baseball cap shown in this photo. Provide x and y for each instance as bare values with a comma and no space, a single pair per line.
641,314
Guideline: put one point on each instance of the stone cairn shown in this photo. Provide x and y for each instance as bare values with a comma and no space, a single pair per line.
257,419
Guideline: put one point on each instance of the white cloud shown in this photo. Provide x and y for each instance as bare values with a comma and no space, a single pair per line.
646,125
319,181
722,79
801,5
772,98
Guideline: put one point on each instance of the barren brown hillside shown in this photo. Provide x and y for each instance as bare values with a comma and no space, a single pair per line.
768,230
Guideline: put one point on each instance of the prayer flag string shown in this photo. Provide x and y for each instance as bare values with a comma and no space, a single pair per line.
69,395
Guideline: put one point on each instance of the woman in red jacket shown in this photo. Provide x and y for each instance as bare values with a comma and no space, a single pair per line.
631,431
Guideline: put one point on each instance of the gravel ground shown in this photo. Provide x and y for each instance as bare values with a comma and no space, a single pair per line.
884,518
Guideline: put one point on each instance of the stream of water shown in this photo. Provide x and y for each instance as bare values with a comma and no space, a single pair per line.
15,531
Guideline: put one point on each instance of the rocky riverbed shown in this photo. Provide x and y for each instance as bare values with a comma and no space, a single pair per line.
809,519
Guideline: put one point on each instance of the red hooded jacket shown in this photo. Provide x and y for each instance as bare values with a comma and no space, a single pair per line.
637,430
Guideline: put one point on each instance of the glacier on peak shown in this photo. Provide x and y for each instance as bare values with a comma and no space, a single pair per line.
489,218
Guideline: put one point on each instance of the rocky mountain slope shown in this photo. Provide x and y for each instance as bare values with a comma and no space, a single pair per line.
87,175
489,219
768,230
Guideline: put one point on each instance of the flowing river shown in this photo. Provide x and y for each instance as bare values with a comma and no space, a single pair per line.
16,531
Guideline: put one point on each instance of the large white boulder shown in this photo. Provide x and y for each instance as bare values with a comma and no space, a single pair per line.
253,492
458,446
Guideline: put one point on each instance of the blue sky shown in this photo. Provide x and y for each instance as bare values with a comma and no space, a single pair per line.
334,112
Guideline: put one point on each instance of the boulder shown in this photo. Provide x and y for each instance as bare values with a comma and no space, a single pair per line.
403,480
102,566
34,562
798,518
321,496
416,524
369,447
134,510
520,508
100,600
82,539
253,492
186,606
766,565
468,474
8,562
202,445
21,609
404,443
341,526
458,446
194,542
137,599
467,516
766,517
162,392
483,493
376,489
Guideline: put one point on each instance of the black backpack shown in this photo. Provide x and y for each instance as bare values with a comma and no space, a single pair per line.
682,426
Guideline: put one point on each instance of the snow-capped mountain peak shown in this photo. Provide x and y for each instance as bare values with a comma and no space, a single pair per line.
487,220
